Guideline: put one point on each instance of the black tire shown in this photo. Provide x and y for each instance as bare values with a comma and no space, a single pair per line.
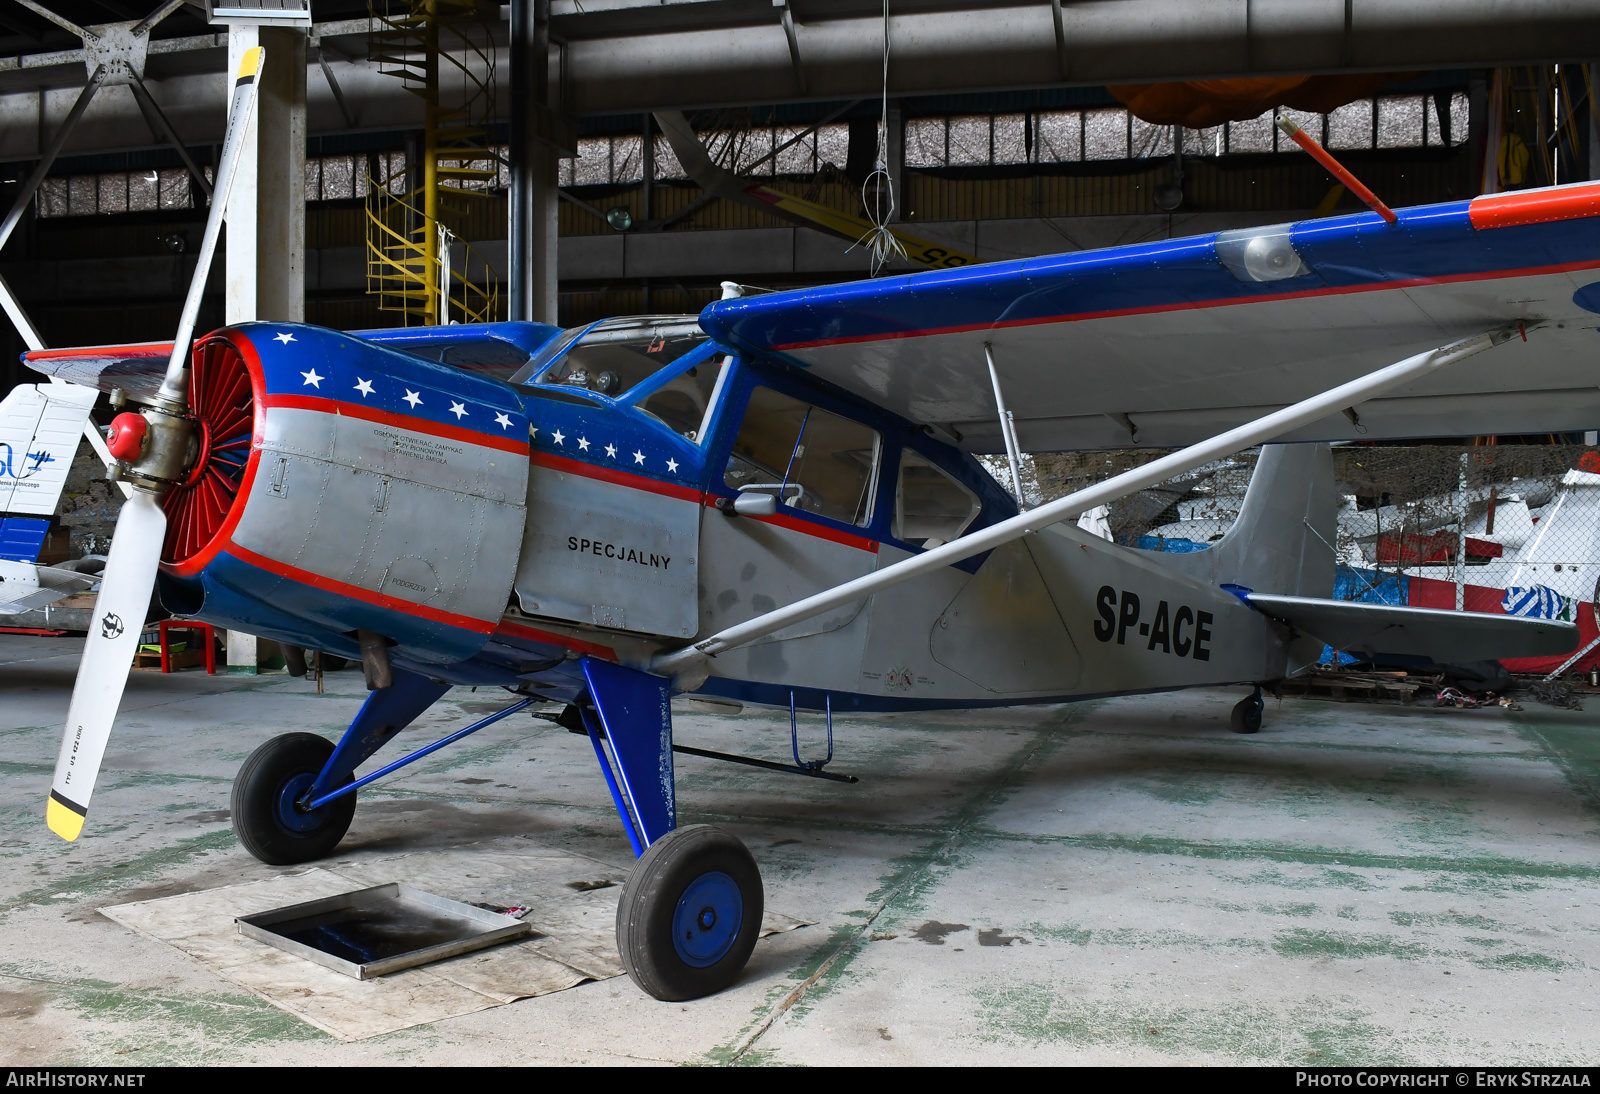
711,868
264,818
1247,715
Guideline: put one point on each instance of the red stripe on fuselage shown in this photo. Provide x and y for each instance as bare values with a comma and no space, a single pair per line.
805,527
550,638
687,493
354,592
398,421
1155,309
617,477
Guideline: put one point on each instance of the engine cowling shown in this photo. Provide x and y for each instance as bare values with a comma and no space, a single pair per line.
339,486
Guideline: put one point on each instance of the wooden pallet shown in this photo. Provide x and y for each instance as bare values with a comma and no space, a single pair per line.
1359,687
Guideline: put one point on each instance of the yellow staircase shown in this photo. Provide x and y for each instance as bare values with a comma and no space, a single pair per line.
409,266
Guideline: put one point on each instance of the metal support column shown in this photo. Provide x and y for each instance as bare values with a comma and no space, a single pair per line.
265,258
520,244
544,177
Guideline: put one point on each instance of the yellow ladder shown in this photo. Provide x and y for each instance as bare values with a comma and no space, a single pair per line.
409,266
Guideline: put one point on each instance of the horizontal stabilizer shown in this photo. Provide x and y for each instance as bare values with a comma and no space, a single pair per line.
39,598
1442,636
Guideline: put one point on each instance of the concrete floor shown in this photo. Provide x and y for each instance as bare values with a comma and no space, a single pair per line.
1118,881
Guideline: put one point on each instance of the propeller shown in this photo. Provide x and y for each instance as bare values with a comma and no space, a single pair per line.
154,447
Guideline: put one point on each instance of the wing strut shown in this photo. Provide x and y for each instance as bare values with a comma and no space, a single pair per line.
689,663
1008,428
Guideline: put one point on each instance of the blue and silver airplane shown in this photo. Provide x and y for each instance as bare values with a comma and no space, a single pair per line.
778,502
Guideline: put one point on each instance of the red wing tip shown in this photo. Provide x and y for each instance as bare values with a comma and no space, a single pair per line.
1535,206
143,349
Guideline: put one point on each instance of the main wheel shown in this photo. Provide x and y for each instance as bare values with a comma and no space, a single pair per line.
1247,714
690,913
265,817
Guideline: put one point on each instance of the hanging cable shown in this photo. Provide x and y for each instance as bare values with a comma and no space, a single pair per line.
877,190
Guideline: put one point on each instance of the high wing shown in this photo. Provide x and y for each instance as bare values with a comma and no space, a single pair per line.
135,369
1168,343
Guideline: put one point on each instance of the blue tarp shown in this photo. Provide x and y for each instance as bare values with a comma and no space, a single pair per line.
1365,587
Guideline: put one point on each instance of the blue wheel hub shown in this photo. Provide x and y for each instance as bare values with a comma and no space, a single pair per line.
706,922
292,819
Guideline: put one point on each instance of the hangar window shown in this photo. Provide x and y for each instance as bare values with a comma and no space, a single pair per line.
1424,119
114,192
930,506
814,460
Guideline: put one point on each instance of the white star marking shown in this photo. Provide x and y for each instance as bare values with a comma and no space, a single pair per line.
285,338
532,432
611,450
458,409
363,386
313,379
556,436
413,398
502,421
583,444
638,457
672,465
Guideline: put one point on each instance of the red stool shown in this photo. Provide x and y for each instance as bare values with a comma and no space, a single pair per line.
188,625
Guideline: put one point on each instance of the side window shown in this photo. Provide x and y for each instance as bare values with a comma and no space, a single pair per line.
813,459
930,506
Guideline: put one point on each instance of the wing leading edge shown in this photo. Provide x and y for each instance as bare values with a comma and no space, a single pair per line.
1167,343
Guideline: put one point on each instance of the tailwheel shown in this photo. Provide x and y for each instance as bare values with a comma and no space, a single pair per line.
1247,713
265,817
690,913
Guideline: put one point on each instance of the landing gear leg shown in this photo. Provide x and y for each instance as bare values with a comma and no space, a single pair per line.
691,909
1247,713
270,789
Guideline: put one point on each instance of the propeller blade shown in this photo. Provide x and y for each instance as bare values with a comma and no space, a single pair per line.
130,573
245,88
125,587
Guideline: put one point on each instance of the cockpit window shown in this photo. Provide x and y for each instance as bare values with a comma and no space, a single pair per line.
614,356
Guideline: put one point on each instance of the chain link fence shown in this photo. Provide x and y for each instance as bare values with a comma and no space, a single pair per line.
1501,529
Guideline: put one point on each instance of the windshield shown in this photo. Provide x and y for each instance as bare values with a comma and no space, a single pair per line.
615,356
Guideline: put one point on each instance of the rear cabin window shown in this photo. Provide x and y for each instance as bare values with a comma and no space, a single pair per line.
930,506
814,460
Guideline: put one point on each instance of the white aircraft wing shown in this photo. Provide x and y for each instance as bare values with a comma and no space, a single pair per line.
1167,343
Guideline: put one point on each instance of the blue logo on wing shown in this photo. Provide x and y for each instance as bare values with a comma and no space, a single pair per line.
32,462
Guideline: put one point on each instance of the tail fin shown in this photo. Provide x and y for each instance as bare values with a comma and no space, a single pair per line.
1282,542
40,426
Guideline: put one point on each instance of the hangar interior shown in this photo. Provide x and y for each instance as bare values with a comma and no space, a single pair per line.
1399,868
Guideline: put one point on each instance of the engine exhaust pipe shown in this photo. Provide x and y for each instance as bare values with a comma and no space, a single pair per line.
375,660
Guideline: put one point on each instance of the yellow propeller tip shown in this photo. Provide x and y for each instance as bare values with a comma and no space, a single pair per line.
63,821
251,63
